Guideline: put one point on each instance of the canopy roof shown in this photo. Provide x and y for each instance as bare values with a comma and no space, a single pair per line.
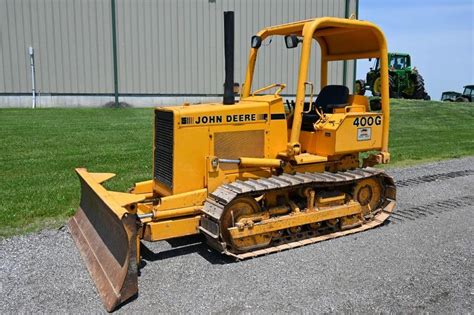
339,39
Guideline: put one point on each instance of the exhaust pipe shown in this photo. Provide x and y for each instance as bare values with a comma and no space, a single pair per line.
229,97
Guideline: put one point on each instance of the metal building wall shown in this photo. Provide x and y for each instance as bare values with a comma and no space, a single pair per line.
175,47
72,42
165,47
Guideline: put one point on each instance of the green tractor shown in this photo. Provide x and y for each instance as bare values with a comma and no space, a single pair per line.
467,95
450,96
404,81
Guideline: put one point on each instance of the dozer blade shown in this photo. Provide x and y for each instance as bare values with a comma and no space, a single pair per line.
106,235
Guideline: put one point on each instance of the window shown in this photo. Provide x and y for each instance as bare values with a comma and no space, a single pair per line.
398,62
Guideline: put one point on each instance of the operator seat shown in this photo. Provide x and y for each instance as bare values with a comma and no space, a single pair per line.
331,96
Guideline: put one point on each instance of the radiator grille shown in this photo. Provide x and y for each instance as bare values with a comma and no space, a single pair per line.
236,144
163,151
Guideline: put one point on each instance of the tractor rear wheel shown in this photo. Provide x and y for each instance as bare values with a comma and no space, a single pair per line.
392,87
377,87
462,99
359,87
417,90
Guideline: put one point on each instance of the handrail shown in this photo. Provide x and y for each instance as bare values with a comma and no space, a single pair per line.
277,92
354,106
310,97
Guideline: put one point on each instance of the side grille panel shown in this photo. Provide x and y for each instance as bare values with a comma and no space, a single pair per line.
163,151
235,144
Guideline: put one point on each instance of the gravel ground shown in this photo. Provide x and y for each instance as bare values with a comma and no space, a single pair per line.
421,261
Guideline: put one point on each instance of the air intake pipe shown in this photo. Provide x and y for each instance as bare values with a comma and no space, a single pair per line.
229,97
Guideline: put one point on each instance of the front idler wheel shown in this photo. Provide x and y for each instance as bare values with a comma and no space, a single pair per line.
239,213
368,193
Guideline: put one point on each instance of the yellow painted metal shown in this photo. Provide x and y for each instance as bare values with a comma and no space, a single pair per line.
359,100
177,205
307,158
245,161
187,199
145,187
97,177
199,128
351,222
356,103
239,210
311,167
337,134
124,199
280,86
257,131
368,193
204,125
344,162
162,230
295,219
215,179
339,39
330,200
105,232
248,126
176,213
115,201
165,214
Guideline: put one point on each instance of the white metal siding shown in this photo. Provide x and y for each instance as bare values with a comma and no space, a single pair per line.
72,42
169,47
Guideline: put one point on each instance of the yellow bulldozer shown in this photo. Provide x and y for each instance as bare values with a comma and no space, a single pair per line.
256,176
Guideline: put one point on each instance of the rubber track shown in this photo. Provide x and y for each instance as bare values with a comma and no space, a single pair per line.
216,202
434,208
433,178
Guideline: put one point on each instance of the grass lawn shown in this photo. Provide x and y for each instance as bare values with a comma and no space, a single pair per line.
430,131
39,150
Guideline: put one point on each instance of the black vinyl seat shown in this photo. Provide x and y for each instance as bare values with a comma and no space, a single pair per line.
331,96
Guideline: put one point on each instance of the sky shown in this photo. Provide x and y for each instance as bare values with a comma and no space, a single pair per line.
438,34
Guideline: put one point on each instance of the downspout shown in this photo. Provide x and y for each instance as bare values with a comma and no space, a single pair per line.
114,53
31,52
